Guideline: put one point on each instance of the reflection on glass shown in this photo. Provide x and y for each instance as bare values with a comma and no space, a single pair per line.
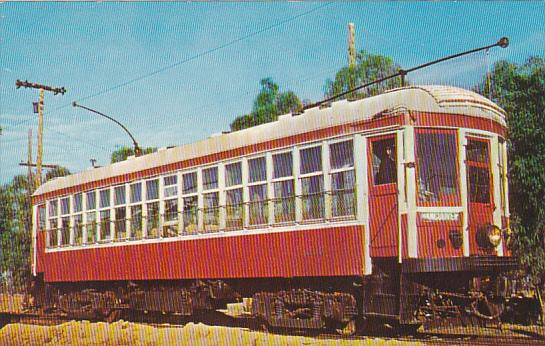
211,211
343,194
190,214
313,197
136,222
120,224
78,229
91,228
284,201
170,227
258,207
105,229
153,220
436,155
234,209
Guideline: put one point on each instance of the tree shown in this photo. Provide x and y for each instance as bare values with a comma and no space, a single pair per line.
368,67
16,226
124,152
57,172
520,90
268,105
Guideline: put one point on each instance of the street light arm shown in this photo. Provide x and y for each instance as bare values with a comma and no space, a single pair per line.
137,150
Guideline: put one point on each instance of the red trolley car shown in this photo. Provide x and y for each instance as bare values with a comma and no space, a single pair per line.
392,207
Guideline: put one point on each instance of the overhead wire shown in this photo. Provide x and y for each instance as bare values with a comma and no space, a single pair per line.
194,57
171,66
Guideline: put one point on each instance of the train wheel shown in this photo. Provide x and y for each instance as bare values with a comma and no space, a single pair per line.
349,329
112,315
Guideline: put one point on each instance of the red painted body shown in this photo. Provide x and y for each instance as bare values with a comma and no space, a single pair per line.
383,210
430,232
335,251
480,213
40,255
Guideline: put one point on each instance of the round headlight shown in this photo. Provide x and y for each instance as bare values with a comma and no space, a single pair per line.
494,235
488,236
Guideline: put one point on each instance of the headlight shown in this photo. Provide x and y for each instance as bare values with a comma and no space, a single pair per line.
494,235
489,236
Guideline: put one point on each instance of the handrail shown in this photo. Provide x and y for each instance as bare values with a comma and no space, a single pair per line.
239,219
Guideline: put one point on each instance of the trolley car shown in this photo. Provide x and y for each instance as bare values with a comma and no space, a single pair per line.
392,207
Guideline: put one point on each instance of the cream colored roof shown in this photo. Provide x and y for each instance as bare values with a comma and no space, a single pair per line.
427,98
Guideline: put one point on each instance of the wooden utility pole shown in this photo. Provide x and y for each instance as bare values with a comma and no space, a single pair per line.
351,56
29,160
351,45
42,88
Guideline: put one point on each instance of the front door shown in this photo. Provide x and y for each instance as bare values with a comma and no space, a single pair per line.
383,211
479,189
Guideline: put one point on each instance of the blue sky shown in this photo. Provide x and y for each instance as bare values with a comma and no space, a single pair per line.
174,73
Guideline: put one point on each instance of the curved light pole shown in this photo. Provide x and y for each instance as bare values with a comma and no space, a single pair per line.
137,150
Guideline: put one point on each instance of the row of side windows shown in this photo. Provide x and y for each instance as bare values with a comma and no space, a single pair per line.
311,184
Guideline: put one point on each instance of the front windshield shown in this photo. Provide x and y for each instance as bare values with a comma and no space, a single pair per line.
436,153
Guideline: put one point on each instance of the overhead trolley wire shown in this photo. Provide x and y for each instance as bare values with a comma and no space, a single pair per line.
207,52
181,62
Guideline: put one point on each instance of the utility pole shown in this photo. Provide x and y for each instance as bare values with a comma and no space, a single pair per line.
29,160
42,88
351,45
351,55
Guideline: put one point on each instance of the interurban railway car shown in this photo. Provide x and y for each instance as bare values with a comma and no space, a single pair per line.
392,207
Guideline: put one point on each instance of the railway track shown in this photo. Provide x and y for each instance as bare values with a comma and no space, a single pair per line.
510,336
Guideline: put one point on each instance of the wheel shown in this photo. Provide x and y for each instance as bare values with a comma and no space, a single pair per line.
409,329
349,329
113,315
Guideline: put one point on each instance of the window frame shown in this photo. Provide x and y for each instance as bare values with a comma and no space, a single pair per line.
275,199
170,224
343,170
230,224
189,195
95,223
454,200
145,211
309,175
478,164
100,210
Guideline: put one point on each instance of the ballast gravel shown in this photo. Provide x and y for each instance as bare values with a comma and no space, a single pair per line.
127,333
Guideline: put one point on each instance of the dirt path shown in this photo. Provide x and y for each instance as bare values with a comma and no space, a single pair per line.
127,333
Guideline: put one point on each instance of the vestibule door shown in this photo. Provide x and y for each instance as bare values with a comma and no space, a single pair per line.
480,199
383,208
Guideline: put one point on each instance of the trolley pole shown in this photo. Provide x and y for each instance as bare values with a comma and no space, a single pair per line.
137,150
502,42
42,88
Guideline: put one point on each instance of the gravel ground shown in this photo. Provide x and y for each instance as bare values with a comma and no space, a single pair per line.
11,303
127,333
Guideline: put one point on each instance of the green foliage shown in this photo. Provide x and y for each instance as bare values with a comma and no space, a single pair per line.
268,105
520,90
124,152
56,172
368,67
16,227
